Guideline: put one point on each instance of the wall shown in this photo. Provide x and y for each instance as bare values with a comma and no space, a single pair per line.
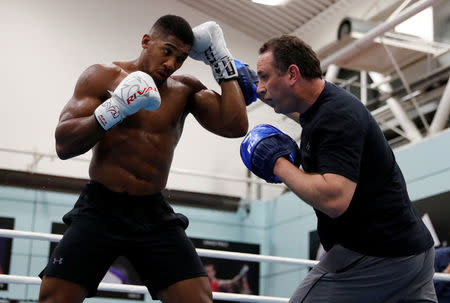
426,166
45,47
47,44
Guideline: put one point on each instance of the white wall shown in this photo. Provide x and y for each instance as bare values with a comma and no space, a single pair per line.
47,44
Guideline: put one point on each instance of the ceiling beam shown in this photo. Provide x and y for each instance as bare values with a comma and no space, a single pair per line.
353,48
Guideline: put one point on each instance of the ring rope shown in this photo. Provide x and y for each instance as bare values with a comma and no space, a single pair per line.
9,233
202,252
143,290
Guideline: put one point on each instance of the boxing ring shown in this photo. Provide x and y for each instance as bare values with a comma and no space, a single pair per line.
127,288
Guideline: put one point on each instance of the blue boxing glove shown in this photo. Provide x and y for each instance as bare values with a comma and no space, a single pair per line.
247,79
261,148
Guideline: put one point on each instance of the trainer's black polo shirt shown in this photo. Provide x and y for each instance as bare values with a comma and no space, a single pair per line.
340,136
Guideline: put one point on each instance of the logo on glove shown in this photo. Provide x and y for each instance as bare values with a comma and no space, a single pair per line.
102,119
112,109
261,148
144,92
210,55
229,67
252,140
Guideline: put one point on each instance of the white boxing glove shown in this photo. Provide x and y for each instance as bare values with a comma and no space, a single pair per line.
210,47
136,91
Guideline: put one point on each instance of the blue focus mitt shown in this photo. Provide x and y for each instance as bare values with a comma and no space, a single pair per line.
262,146
247,79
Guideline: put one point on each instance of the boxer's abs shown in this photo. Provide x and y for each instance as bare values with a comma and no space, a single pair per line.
136,162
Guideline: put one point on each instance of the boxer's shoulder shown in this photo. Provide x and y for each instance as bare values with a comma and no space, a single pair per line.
188,82
99,77
110,69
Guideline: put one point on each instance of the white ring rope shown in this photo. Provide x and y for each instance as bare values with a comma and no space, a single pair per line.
143,290
202,252
9,233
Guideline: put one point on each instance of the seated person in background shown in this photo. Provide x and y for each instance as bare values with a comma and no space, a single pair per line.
442,264
224,285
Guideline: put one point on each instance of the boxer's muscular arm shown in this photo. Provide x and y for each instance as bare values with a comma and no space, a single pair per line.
329,193
78,130
224,115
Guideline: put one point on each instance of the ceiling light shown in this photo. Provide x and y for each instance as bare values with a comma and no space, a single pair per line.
271,2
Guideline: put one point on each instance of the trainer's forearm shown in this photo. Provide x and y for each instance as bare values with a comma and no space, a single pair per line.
311,188
76,136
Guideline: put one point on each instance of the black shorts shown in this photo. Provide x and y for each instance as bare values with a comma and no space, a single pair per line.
104,225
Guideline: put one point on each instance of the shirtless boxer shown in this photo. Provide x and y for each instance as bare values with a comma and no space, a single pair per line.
132,114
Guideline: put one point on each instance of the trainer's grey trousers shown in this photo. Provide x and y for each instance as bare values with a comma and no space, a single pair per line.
345,276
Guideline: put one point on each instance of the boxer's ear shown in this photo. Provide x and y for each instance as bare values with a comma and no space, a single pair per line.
145,40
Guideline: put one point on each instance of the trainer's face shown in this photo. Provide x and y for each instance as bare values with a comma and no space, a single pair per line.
163,56
273,86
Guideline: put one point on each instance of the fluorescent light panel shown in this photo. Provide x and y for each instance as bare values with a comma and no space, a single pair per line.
271,2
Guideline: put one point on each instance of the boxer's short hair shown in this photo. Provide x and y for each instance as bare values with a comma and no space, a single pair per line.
176,26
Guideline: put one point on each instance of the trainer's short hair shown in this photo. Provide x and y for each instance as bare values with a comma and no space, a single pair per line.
289,49
176,26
